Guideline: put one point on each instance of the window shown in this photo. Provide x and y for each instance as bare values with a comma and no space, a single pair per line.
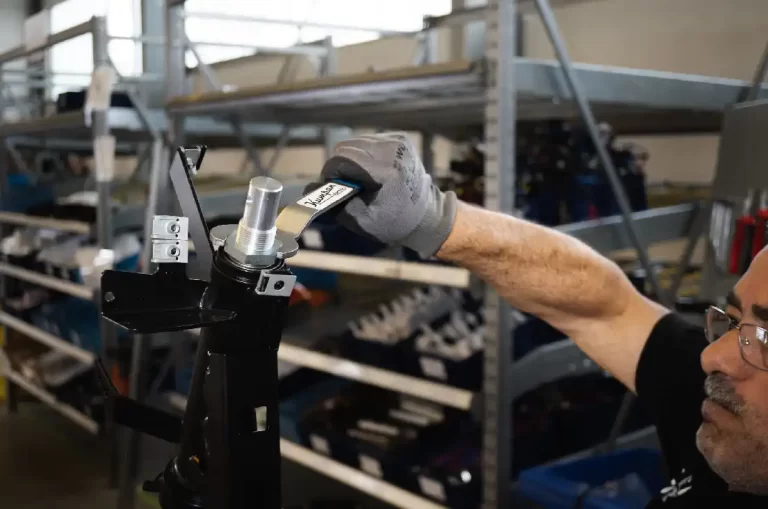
396,15
71,62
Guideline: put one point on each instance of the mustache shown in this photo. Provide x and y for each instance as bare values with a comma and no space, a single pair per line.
720,391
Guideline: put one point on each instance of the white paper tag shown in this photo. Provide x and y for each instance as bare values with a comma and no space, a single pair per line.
370,466
434,368
312,239
37,28
432,488
104,158
326,195
100,91
319,444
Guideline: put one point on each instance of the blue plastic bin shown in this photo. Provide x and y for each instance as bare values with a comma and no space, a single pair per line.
625,479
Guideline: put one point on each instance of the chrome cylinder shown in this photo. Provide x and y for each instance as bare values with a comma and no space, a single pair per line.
256,230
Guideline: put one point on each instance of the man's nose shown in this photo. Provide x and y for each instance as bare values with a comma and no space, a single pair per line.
724,356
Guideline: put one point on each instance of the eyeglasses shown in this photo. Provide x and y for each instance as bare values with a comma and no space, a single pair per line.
753,339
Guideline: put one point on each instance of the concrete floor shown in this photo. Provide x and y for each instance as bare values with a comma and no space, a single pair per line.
47,461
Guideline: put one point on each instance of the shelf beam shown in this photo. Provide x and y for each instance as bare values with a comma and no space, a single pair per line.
371,486
53,283
50,400
425,389
383,268
47,338
44,222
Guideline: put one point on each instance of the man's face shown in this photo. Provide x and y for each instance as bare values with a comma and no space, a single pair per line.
734,434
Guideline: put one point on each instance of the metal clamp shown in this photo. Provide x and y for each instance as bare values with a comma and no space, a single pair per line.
170,239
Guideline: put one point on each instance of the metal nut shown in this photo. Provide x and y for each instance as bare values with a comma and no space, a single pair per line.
254,260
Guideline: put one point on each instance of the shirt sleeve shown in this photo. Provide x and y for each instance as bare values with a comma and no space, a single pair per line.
670,385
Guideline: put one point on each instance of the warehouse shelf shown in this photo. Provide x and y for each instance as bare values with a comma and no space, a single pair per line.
384,268
126,124
46,338
349,476
50,400
66,225
439,393
292,353
53,283
369,485
427,98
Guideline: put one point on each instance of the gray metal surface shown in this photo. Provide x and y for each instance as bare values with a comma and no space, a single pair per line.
743,155
500,122
633,101
127,125
548,363
654,225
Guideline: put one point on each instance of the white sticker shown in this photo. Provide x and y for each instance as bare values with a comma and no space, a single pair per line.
104,158
75,337
434,368
325,196
432,488
37,28
100,92
319,444
370,466
312,239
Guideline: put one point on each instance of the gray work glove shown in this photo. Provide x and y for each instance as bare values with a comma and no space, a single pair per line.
398,203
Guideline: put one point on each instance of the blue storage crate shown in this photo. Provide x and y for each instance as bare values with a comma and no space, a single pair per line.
625,479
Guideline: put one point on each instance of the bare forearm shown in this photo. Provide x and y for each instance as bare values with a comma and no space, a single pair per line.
536,269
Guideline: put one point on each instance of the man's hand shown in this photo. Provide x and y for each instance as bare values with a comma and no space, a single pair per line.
399,203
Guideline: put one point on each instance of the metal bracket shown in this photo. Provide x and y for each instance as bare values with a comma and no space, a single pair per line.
275,285
170,242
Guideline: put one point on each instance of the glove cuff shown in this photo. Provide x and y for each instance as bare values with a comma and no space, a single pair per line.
435,226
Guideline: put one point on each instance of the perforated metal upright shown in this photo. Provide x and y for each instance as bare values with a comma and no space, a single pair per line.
500,119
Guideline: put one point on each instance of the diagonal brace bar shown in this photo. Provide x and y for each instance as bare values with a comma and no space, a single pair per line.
553,31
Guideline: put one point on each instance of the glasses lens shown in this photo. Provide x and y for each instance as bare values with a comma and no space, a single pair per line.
718,324
753,341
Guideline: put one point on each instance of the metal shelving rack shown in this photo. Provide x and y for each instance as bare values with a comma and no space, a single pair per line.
494,94
99,129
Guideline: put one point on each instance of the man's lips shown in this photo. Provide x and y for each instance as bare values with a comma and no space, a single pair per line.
712,411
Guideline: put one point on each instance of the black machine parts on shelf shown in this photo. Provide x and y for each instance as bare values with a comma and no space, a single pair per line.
558,175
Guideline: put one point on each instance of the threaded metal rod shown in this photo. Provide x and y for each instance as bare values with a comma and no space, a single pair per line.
256,230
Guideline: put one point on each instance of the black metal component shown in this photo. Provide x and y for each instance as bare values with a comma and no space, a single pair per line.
181,177
130,413
164,301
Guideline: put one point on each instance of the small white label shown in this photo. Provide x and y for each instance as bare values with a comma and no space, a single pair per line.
312,239
104,158
75,337
434,368
37,28
432,488
319,444
100,91
370,466
326,196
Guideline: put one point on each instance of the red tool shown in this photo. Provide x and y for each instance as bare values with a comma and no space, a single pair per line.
761,223
741,247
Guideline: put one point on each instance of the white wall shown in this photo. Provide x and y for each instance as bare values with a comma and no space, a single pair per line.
710,37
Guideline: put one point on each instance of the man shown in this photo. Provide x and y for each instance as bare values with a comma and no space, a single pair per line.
708,395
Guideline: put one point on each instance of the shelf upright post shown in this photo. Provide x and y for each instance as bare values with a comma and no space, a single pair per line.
500,119
329,65
427,138
103,150
12,391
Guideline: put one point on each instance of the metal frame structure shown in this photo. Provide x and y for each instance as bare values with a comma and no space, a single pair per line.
496,93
